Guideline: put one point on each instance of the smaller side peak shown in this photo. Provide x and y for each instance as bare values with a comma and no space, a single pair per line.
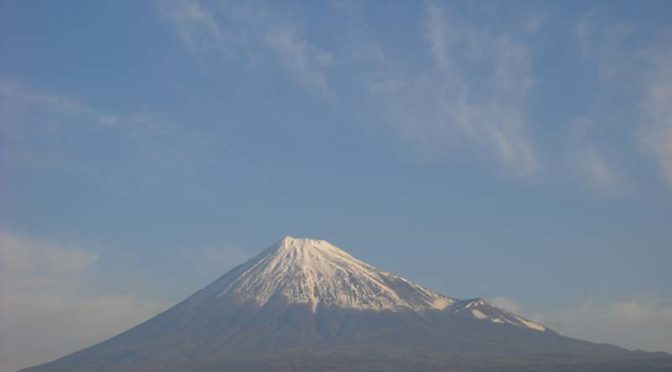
480,309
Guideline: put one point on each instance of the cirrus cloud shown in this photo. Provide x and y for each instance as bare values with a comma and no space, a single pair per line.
443,107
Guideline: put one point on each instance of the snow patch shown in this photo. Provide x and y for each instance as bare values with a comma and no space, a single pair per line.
478,314
531,324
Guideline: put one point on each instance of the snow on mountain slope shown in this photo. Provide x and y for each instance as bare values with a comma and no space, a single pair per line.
318,273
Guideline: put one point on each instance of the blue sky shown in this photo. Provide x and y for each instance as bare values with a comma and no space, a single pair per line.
518,151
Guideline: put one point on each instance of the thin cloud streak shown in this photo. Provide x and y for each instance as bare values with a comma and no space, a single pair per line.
218,31
498,120
304,60
30,116
641,75
440,109
589,163
20,96
444,110
656,132
195,24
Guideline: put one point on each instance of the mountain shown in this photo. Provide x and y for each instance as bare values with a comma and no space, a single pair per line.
306,305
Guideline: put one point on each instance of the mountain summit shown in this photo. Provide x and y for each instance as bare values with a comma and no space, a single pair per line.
307,305
321,275
318,273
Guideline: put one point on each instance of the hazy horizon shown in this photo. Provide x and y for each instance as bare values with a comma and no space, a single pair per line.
516,151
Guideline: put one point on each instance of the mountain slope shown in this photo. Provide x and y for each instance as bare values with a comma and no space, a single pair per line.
304,304
316,272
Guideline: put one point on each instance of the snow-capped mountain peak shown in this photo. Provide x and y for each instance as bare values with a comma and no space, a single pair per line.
318,273
321,275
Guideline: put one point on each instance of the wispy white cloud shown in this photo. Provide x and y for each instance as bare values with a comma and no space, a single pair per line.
440,109
249,33
656,129
435,110
605,43
498,120
589,163
47,308
597,172
196,25
304,60
641,321
17,97
33,122
628,70
472,99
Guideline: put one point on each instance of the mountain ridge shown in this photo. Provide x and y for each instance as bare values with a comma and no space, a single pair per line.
306,304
